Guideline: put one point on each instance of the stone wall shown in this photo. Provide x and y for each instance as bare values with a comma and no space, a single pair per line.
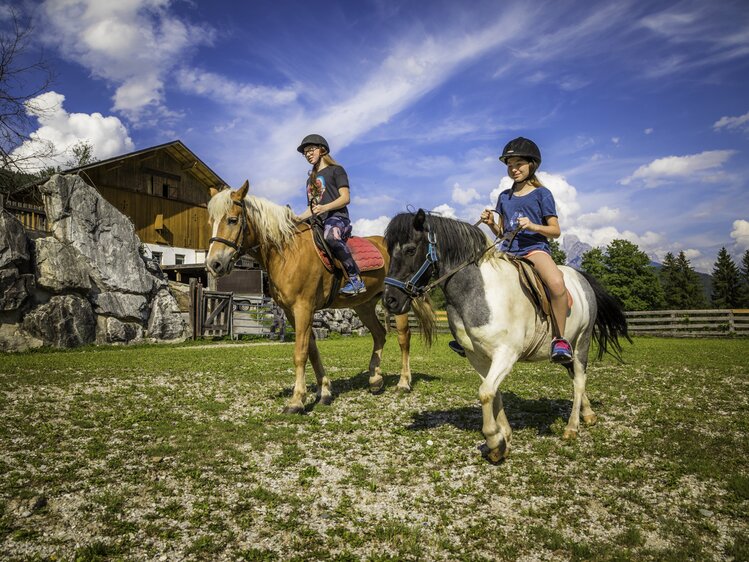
86,282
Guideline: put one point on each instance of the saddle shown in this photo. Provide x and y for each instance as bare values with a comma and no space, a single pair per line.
533,286
365,253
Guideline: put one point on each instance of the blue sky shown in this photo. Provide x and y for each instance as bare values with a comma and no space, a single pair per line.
641,109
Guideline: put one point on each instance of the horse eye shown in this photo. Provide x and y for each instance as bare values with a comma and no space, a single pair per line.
410,251
232,220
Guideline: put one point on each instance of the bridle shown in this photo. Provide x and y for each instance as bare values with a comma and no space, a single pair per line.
237,243
411,287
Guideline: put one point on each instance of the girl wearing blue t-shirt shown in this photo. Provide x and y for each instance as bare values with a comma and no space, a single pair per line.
327,197
530,206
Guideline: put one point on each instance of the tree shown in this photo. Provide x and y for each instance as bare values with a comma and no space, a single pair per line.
22,78
557,254
593,263
625,271
726,281
681,285
744,279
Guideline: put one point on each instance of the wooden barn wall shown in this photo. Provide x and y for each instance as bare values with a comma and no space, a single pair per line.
185,225
136,187
141,174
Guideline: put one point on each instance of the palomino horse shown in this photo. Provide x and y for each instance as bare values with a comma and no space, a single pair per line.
299,283
491,316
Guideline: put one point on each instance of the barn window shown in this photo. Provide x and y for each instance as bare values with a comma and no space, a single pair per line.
157,256
179,259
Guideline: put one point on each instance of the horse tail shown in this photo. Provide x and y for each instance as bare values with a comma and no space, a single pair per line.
426,318
610,323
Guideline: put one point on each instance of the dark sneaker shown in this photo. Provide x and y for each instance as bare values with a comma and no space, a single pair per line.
354,286
457,348
561,351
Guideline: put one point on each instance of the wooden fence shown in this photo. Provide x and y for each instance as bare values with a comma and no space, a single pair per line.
671,323
689,323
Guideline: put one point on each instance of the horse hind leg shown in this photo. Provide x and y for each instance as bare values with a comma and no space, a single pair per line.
577,372
368,315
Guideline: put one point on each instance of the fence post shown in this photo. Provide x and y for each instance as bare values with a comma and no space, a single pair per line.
731,324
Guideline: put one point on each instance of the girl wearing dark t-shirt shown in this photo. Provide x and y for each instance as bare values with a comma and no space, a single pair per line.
327,197
530,206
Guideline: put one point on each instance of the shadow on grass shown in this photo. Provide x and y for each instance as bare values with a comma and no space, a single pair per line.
538,414
358,382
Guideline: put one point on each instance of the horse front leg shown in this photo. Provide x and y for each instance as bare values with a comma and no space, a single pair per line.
303,330
496,427
368,315
324,391
404,341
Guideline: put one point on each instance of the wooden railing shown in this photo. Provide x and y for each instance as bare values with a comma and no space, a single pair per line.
689,323
672,323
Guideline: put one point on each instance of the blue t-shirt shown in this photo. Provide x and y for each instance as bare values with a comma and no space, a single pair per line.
536,205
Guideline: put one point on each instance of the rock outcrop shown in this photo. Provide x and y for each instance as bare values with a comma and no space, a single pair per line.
86,282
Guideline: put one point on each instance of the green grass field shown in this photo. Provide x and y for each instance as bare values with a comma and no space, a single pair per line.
166,453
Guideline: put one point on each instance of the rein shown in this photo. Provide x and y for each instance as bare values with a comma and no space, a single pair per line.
411,288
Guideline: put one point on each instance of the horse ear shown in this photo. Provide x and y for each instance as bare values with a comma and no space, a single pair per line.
244,189
419,219
213,191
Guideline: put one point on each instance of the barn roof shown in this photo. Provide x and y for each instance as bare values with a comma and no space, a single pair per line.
177,150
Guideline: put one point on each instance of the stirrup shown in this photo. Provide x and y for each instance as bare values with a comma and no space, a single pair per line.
457,348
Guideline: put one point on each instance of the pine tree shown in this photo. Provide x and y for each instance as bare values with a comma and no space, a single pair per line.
668,275
688,283
725,281
744,279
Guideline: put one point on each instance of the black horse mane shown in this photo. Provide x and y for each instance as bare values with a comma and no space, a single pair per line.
456,240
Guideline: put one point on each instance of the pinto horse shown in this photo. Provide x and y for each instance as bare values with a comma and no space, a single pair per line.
491,315
299,282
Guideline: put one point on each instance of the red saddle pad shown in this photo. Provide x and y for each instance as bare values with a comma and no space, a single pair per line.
365,254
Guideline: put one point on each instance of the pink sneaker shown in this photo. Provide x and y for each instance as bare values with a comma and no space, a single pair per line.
561,351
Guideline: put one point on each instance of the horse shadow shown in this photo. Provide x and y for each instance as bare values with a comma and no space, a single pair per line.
522,413
357,383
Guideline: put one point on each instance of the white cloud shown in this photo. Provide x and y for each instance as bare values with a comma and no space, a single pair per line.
225,90
649,131
463,196
740,233
370,227
603,216
61,131
740,122
132,44
445,210
615,140
674,167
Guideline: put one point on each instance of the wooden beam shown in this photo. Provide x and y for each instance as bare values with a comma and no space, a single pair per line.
190,166
160,173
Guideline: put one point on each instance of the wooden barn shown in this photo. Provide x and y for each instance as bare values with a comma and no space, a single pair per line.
164,190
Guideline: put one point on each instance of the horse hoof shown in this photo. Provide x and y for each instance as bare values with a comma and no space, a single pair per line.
293,410
592,419
494,456
326,400
569,435
377,386
402,389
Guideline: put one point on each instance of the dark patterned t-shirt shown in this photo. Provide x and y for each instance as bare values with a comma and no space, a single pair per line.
326,188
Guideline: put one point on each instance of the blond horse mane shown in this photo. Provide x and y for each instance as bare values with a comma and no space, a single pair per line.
274,224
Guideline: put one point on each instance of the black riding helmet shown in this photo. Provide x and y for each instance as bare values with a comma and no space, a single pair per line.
522,148
317,140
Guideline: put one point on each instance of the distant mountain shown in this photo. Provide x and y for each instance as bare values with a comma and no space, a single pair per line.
574,249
